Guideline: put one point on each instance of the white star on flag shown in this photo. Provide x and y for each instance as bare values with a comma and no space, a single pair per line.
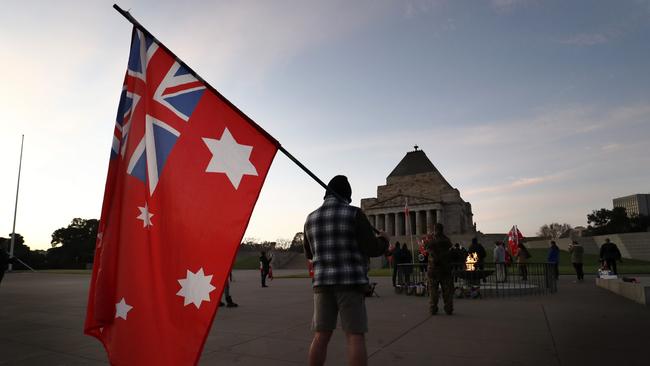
230,158
122,309
195,288
145,216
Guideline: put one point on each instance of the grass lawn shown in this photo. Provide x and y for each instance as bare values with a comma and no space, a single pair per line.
591,265
65,271
247,262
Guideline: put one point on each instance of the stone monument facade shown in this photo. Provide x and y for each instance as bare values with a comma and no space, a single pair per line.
416,184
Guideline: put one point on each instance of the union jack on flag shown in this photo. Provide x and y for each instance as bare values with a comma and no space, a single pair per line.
158,98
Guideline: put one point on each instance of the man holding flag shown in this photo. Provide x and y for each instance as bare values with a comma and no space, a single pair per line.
185,171
339,240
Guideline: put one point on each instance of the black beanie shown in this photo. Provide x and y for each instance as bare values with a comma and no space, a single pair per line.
340,186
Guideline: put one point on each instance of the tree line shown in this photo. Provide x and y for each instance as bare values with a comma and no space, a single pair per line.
73,247
601,222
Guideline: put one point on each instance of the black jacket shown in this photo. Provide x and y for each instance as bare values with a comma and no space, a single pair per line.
610,251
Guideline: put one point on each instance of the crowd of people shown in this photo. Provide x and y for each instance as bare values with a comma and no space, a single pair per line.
400,260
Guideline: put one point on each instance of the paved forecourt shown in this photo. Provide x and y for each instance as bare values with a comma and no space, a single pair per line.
41,319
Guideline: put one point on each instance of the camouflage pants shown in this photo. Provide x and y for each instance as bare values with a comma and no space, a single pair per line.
445,282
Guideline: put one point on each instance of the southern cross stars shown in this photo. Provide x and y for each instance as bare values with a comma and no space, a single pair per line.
195,288
145,216
122,309
230,158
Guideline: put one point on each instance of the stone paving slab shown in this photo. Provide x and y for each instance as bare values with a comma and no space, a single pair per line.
41,318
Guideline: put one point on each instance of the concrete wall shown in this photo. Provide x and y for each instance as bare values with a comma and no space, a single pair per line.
638,292
631,245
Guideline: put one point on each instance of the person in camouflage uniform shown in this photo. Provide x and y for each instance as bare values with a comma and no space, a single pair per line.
439,271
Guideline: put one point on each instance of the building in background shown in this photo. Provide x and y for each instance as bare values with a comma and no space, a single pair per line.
417,184
635,205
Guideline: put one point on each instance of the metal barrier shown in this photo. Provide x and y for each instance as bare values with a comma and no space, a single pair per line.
488,280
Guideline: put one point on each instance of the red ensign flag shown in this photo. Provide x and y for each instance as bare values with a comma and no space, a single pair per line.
514,238
185,171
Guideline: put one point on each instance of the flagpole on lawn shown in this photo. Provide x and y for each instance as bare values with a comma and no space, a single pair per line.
13,230
408,219
139,26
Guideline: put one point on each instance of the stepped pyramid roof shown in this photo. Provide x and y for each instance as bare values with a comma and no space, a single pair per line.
415,162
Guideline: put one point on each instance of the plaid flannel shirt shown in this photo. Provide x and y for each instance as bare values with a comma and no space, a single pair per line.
332,242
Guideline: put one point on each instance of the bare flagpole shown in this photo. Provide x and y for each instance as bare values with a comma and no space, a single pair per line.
13,230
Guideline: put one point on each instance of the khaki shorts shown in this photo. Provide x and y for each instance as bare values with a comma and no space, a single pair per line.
350,304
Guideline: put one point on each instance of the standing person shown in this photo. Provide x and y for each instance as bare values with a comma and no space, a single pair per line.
522,259
4,260
609,254
407,261
265,267
577,251
458,256
339,239
554,259
440,271
226,292
395,255
500,261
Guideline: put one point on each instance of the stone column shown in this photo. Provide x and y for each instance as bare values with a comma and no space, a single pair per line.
399,224
418,222
381,222
372,219
429,221
390,222
412,223
439,217
396,223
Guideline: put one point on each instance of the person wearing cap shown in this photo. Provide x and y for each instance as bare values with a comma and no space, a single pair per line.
339,240
577,253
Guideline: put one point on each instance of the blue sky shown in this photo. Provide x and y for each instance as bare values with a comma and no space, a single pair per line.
537,111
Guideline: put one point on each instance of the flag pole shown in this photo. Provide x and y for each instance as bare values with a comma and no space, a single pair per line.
140,27
13,230
408,219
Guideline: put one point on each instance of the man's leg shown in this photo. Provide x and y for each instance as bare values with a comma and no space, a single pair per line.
447,284
394,275
323,324
433,295
354,322
264,274
581,273
357,355
318,348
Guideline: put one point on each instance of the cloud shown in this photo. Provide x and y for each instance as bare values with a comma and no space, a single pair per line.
248,39
507,6
588,39
516,184
611,147
413,8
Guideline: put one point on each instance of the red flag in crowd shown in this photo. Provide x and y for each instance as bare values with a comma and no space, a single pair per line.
185,171
514,238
